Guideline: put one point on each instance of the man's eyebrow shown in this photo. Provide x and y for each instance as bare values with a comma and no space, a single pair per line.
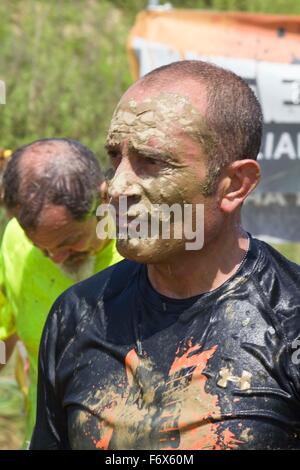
109,146
149,151
162,155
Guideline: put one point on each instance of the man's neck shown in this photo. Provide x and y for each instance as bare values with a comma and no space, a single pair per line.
195,272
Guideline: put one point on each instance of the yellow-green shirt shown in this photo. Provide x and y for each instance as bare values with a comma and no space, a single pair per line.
30,283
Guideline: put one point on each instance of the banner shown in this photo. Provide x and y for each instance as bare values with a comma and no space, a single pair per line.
265,51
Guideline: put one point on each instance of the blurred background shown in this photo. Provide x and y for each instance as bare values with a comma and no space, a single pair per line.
65,65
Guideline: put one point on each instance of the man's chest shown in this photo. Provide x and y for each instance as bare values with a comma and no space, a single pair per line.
178,392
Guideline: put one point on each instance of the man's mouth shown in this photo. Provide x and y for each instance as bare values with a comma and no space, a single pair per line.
124,220
76,259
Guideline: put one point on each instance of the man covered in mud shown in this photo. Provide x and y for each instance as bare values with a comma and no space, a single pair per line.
178,347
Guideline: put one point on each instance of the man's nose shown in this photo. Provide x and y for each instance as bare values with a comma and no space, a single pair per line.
124,182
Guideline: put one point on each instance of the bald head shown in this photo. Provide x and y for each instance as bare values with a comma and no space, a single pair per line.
42,153
51,171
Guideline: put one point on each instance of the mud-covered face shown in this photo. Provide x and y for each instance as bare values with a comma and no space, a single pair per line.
154,147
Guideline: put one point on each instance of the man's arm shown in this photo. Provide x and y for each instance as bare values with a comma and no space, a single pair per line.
8,348
50,430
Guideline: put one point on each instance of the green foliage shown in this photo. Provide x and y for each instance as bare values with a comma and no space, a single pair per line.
65,67
266,6
65,63
290,251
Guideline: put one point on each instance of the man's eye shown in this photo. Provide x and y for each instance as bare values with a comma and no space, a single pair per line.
151,161
114,154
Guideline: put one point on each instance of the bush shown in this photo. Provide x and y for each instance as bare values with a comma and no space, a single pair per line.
65,67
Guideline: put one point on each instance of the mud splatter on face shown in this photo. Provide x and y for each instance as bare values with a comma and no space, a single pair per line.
167,137
154,121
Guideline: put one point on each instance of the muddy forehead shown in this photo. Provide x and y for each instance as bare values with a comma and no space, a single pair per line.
154,118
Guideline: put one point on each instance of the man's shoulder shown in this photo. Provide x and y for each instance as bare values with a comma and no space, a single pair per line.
14,236
100,287
15,248
75,308
278,281
275,263
108,282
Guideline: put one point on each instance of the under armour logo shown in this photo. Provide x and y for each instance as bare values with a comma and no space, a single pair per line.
226,376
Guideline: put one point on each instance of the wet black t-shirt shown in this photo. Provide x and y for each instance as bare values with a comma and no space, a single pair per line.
123,367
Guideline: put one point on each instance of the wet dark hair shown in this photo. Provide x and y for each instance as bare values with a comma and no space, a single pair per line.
70,177
233,115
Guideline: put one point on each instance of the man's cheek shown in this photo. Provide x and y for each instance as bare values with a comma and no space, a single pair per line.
164,189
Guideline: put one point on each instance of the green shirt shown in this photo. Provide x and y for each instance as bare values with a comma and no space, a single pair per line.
30,283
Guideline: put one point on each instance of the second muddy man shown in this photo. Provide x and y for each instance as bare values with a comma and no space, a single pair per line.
178,349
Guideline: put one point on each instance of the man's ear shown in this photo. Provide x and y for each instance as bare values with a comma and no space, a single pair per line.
240,179
103,192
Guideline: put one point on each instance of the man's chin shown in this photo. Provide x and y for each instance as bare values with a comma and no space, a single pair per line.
76,260
79,269
148,250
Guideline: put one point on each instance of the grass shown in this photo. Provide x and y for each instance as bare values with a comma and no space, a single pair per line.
11,410
290,251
